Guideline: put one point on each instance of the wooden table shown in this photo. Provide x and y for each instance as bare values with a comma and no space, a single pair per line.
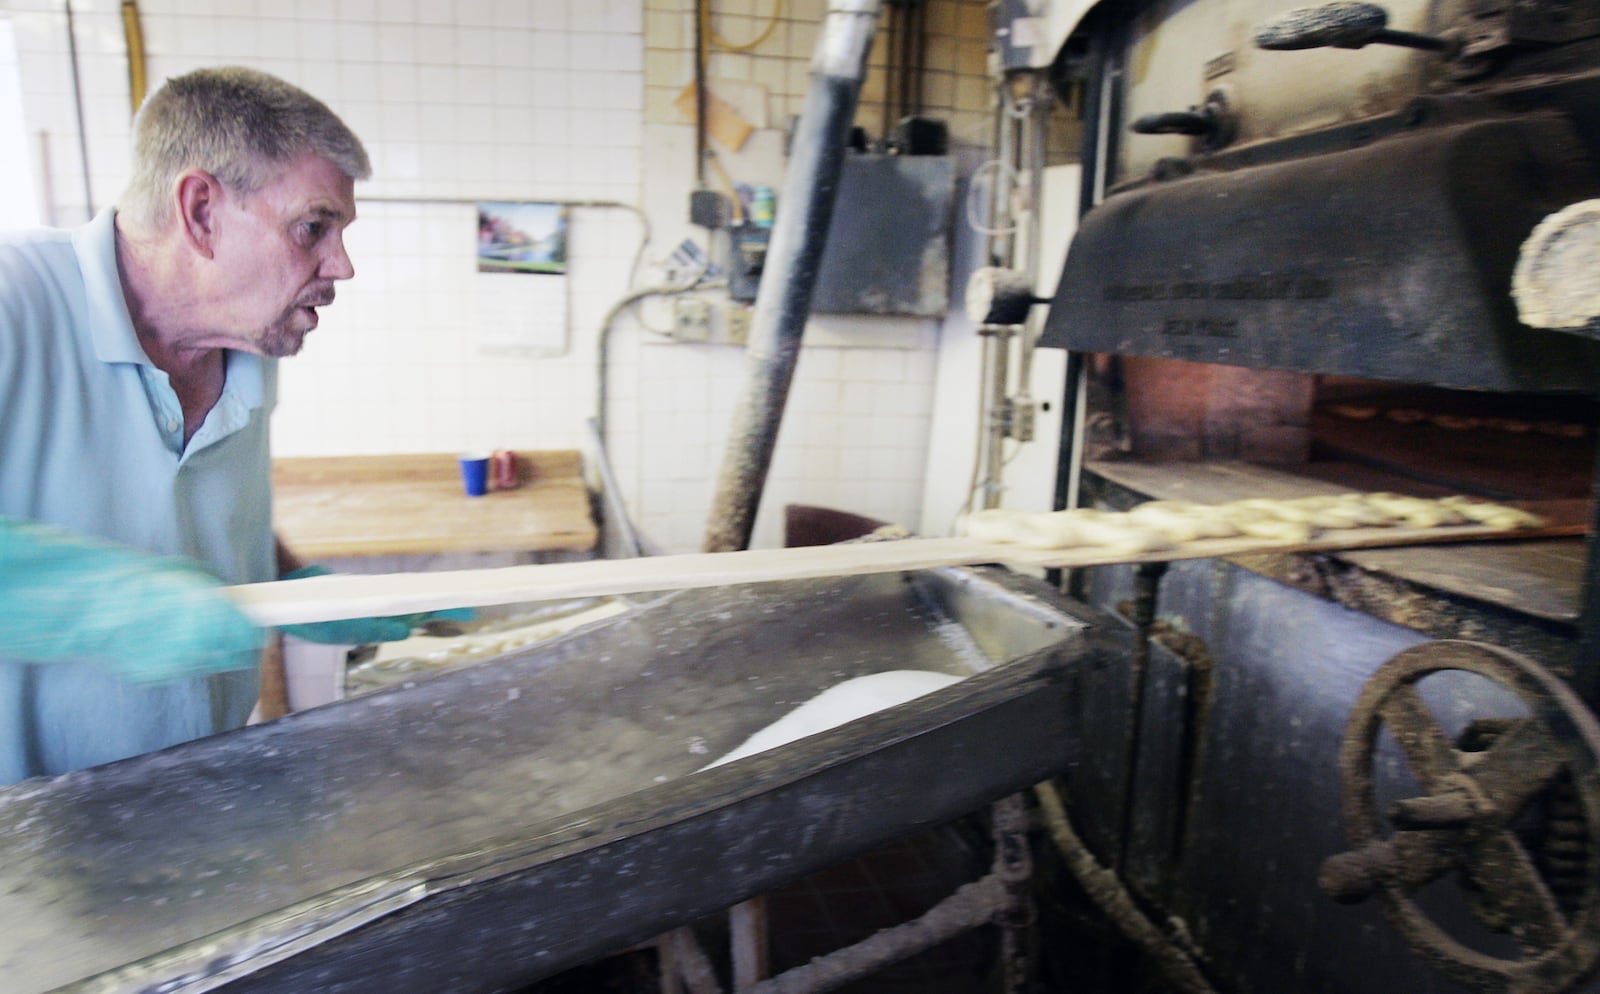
344,506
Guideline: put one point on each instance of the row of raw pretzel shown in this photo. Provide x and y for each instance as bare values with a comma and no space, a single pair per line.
1163,524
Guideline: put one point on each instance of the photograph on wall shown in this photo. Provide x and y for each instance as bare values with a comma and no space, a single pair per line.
522,238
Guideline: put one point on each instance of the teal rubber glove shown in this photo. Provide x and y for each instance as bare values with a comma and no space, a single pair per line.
364,631
65,596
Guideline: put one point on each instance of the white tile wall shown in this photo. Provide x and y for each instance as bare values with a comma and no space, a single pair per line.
19,203
498,99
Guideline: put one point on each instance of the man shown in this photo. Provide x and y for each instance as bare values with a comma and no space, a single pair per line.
137,377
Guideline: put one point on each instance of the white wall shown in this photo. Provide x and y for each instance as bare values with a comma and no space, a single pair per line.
464,100
19,201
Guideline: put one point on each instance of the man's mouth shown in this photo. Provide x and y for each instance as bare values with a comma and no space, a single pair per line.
318,300
310,306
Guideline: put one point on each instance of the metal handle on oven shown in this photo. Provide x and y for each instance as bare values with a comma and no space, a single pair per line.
1215,123
1341,25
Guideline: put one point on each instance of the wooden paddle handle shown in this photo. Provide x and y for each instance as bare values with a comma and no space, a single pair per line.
329,598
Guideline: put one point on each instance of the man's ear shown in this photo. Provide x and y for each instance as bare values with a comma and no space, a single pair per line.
199,195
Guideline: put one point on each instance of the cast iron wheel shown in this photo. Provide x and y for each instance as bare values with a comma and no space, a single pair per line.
1464,819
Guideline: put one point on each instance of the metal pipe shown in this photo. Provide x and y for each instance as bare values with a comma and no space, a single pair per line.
970,906
701,45
1002,242
133,34
1000,898
996,422
891,24
748,946
1033,145
611,497
1097,140
1146,592
1013,865
794,255
77,103
47,193
691,963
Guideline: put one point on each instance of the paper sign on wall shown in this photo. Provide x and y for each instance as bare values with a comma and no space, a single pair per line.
522,294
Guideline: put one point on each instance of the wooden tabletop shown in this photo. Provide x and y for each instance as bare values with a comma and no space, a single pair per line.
402,504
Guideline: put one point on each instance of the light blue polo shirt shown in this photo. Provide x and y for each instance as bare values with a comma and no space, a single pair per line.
91,439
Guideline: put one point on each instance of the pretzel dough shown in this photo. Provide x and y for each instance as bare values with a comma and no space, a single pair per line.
1162,524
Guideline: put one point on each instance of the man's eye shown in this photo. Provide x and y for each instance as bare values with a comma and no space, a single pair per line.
312,230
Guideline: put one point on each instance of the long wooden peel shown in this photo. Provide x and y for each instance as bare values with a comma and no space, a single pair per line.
329,598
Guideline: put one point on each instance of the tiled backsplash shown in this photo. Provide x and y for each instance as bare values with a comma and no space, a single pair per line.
463,100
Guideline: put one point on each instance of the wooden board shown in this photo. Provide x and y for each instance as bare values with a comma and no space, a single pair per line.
403,504
328,598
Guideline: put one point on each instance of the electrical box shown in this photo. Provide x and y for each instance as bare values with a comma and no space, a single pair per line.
691,319
888,248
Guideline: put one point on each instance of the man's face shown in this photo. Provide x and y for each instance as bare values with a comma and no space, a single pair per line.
277,255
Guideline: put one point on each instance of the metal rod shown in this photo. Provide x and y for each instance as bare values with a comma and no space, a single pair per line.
749,950
1075,391
794,255
1002,243
612,499
1000,897
133,34
691,962
671,978
1069,468
996,352
77,103
47,191
1147,589
1013,864
701,44
971,905
1410,39
1034,148
919,51
891,23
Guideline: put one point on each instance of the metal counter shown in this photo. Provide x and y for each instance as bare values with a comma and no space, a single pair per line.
501,822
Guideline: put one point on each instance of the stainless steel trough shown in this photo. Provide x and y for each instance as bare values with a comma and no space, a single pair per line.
501,822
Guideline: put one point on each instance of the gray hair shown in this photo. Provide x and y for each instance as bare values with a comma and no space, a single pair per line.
237,124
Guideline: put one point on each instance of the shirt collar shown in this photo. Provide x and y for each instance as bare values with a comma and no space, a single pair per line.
244,377
111,328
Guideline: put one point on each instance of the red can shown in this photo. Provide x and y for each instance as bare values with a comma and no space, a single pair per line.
503,470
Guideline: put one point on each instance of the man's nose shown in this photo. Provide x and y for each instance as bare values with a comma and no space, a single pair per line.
336,265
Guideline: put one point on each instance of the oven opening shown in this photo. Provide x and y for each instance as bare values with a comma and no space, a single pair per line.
1362,434
1526,447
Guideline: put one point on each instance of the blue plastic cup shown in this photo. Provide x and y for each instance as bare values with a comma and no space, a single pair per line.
475,473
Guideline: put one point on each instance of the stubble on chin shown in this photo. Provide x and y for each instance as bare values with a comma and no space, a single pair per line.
286,336
280,342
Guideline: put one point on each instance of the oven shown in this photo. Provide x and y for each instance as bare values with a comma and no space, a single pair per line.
1334,249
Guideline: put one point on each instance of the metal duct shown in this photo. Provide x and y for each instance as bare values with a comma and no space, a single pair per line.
793,257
